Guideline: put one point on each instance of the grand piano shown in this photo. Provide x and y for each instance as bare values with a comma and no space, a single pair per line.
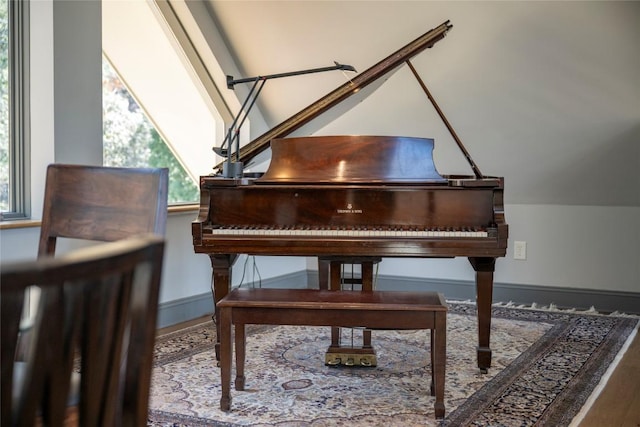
355,197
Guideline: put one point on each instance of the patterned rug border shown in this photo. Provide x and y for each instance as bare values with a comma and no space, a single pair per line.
570,401
563,408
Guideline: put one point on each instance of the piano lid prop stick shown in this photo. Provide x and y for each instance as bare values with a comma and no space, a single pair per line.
473,165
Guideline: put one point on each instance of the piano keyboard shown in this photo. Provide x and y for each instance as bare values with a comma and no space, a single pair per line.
347,232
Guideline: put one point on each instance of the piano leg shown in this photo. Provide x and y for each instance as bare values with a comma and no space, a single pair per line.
220,285
484,268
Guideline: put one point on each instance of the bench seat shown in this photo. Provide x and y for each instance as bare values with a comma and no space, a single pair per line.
312,307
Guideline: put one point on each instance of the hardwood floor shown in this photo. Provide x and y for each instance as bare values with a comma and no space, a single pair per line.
184,324
618,405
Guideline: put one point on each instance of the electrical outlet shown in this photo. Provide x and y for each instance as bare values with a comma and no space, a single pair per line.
519,250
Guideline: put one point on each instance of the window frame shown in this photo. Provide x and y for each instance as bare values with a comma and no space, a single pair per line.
19,111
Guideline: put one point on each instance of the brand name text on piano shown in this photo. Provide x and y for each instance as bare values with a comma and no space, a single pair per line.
349,210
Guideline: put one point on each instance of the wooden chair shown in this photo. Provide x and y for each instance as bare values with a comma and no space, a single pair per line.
98,203
101,203
98,307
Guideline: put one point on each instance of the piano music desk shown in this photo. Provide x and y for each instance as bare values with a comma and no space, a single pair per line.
312,307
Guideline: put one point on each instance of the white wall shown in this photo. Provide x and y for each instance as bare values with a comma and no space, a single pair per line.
582,247
41,80
77,83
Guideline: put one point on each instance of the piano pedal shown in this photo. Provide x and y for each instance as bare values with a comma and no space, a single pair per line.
333,361
350,360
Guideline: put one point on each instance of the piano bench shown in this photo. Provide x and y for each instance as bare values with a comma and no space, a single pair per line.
313,307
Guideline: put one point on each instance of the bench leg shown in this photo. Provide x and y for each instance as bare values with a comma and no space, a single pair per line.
432,353
225,358
240,356
439,353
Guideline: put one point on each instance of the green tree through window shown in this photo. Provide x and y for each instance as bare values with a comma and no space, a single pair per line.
130,140
4,107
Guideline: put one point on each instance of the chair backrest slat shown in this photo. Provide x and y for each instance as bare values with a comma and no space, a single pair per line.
101,300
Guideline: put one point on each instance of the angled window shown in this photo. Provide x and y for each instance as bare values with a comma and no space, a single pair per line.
131,140
171,119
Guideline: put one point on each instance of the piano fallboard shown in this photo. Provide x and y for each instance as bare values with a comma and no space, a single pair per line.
244,217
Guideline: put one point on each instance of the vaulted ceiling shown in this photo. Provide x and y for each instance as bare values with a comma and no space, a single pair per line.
546,94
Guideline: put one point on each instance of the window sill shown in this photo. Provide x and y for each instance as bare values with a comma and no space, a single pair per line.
29,223
19,223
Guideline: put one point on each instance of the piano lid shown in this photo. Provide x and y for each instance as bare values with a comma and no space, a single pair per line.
352,87
352,159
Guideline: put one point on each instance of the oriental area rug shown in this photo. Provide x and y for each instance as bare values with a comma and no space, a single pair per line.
546,364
